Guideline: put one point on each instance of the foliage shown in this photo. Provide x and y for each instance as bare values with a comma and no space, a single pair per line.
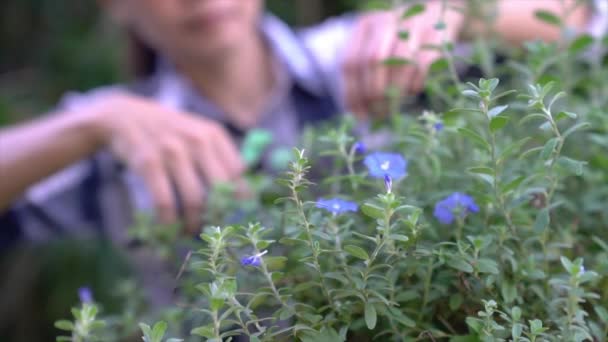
516,250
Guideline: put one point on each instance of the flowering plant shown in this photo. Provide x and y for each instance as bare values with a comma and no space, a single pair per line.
483,219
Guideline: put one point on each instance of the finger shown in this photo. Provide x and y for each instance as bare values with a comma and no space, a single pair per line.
187,182
426,57
228,154
149,165
384,36
400,76
352,67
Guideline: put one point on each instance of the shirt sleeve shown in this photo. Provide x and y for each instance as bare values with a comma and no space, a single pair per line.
85,198
327,43
598,24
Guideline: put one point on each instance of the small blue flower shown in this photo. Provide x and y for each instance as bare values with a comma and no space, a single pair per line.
455,204
359,147
337,206
85,294
388,183
438,126
380,164
253,260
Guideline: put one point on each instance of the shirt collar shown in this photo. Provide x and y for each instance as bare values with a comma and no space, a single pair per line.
289,49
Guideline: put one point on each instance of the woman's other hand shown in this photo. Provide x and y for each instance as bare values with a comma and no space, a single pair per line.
376,38
168,149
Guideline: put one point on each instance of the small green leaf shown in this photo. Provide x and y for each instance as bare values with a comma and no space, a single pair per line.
577,127
580,44
563,115
206,331
572,165
497,123
542,220
481,169
158,331
396,61
512,185
497,110
461,265
439,65
404,35
471,93
64,325
487,266
548,17
455,301
413,11
356,251
516,330
372,211
549,148
370,316
474,137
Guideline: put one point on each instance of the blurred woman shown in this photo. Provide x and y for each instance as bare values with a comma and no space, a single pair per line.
211,71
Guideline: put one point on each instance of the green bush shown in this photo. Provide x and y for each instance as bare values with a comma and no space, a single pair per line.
480,216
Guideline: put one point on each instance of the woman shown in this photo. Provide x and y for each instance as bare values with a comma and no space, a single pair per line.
220,68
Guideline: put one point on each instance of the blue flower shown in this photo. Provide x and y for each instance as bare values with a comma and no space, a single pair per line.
388,183
438,126
455,204
253,260
85,294
359,147
380,164
337,206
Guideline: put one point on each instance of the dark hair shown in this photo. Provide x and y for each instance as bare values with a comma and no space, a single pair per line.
142,58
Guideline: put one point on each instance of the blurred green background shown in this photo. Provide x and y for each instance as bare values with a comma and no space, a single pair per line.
50,47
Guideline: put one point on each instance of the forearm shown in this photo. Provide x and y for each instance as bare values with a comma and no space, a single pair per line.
516,21
32,151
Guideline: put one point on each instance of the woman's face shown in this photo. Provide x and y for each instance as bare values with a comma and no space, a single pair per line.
190,28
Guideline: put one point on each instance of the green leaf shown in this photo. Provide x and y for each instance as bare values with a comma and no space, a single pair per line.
206,331
370,316
475,138
404,35
439,65
413,11
580,44
455,301
396,61
549,148
563,115
512,185
372,211
481,169
399,237
158,331
568,265
508,291
461,265
471,93
497,110
64,325
516,330
497,123
577,127
356,251
487,266
542,220
572,165
548,17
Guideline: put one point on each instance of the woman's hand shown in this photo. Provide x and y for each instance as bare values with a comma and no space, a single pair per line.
376,38
168,148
